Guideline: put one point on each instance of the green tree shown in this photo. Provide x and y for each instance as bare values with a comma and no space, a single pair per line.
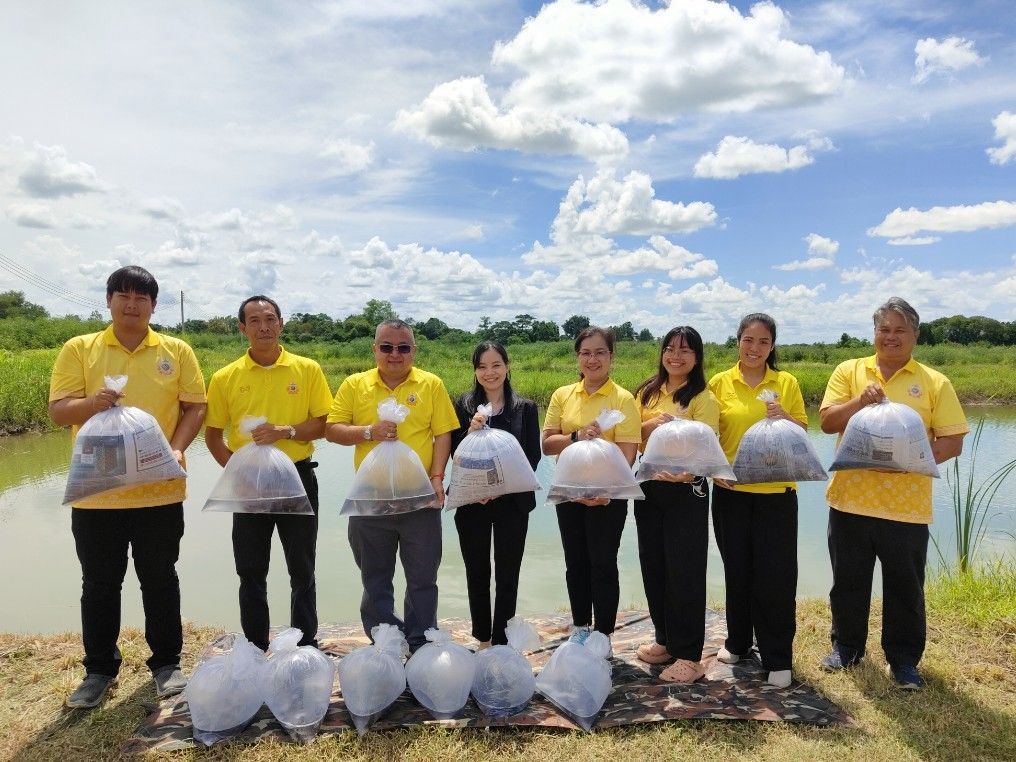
13,304
483,329
377,311
432,328
574,325
544,330
624,332
645,335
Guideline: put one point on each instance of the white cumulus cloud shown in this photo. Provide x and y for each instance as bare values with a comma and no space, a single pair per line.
1005,130
349,157
736,156
901,223
825,250
31,215
943,56
50,174
914,240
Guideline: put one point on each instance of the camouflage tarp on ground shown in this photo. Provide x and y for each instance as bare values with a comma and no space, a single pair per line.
737,692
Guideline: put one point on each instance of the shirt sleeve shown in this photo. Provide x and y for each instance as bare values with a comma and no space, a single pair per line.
217,415
552,421
320,394
793,400
838,389
192,383
630,429
947,416
706,408
342,406
68,378
443,420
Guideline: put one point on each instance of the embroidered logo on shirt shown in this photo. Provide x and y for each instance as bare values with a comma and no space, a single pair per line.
914,391
244,388
164,366
412,399
292,388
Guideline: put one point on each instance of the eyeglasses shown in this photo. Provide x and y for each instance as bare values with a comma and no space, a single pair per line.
403,349
599,354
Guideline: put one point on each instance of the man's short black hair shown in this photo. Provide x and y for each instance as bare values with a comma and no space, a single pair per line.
133,279
257,298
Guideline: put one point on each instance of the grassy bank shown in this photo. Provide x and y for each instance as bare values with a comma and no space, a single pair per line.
965,713
980,374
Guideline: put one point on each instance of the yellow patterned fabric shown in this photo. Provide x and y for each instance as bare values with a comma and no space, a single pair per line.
895,496
572,407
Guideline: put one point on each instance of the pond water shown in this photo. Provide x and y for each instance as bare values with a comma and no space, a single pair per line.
42,584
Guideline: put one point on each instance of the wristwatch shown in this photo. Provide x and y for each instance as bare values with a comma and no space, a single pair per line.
575,435
367,432
292,432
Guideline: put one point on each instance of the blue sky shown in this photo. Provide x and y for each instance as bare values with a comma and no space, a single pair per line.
664,163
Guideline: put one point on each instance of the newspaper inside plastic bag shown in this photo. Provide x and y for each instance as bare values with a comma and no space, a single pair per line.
776,450
504,681
440,675
488,463
373,677
258,479
223,695
391,479
888,436
577,679
296,683
594,468
119,447
684,446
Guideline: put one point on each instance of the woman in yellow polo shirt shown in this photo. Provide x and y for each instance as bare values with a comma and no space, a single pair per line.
673,520
756,524
591,529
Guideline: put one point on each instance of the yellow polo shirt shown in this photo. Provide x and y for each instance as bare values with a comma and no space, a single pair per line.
740,409
572,407
703,407
896,496
431,410
161,373
287,393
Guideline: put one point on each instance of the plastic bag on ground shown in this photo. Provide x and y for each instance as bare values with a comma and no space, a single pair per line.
577,679
391,479
489,463
119,447
223,695
504,682
886,435
371,678
594,468
296,683
259,479
776,450
684,446
440,675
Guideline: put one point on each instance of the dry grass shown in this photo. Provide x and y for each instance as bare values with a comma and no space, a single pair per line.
967,711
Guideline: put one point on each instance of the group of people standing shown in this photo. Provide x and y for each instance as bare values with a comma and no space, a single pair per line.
872,514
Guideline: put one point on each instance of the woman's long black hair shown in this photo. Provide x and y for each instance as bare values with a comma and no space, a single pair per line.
478,395
651,388
769,323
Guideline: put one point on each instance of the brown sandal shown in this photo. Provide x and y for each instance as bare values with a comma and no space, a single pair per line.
653,653
683,671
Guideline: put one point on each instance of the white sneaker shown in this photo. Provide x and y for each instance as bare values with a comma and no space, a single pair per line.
781,678
727,657
580,635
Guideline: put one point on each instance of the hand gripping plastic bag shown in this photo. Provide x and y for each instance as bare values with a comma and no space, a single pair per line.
489,463
440,675
594,468
684,446
776,450
391,479
888,436
119,447
504,682
259,479
296,683
577,679
373,677
223,692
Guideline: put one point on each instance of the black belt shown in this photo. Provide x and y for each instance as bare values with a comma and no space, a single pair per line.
305,463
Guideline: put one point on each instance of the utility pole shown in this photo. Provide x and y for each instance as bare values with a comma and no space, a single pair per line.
181,312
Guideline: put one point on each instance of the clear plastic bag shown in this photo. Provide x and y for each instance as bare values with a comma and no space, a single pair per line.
594,468
223,694
888,436
373,677
776,450
504,684
440,675
296,683
119,447
391,479
259,479
577,679
489,463
684,446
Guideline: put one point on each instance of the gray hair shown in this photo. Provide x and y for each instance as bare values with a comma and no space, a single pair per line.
902,308
395,323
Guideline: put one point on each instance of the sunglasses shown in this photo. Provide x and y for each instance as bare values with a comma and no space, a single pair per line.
402,349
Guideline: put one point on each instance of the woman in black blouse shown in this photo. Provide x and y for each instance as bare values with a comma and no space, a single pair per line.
506,518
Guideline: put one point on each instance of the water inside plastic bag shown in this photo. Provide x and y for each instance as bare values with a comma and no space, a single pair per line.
223,694
888,436
504,683
594,468
373,677
296,683
776,450
577,679
440,675
684,446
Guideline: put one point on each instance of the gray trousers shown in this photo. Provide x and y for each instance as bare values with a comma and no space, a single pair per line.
416,538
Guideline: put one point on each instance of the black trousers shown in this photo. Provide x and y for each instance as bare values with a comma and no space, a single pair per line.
757,537
591,536
102,538
252,547
673,530
508,523
902,549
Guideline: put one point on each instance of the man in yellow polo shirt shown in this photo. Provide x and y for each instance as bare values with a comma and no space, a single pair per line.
883,515
414,536
292,393
163,379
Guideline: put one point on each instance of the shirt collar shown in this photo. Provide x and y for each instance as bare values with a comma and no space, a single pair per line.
375,379
871,363
151,339
284,358
603,391
739,376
